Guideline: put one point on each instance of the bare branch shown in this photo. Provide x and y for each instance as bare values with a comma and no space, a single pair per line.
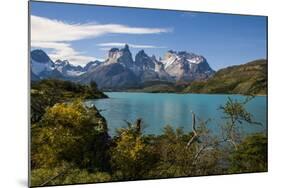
233,143
195,135
199,152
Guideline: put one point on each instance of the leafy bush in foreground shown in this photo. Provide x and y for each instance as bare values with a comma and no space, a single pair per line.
70,144
72,133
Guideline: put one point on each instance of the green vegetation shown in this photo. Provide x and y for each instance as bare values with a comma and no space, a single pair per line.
248,79
46,93
66,89
160,87
131,156
77,129
70,143
251,155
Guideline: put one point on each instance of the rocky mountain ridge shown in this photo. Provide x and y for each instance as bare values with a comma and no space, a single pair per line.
120,70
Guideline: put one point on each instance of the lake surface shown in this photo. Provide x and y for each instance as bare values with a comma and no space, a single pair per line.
160,109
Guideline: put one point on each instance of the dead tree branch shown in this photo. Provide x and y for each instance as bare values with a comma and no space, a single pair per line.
195,135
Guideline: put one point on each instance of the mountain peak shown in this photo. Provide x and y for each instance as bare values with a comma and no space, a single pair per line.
141,52
39,56
122,56
143,61
126,47
113,50
183,65
40,62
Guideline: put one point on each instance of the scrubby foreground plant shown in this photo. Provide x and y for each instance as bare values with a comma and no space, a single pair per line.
70,144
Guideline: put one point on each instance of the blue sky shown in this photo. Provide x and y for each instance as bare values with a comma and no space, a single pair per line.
83,32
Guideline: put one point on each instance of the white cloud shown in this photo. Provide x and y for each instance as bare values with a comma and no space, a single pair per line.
57,35
62,50
44,29
120,44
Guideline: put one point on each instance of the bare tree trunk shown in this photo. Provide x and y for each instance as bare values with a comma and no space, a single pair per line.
195,135
233,143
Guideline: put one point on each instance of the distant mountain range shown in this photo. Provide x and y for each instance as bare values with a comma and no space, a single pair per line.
175,72
43,67
120,70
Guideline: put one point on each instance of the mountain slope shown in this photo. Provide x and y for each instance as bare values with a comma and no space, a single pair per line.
91,65
110,76
249,78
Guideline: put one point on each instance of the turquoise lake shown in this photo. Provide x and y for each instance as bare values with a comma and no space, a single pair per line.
160,109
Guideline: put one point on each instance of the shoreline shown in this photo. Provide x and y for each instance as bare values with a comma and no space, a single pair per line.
181,93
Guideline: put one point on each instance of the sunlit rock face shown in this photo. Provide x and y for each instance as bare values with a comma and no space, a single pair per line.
186,66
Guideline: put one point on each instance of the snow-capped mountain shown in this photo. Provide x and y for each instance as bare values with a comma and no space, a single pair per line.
40,62
43,67
67,69
120,70
148,68
186,66
91,65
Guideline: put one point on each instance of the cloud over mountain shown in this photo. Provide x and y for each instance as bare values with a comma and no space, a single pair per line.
58,35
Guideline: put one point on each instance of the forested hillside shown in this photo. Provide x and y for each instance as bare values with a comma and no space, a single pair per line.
249,79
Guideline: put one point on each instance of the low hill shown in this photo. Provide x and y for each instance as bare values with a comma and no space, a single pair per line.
248,79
